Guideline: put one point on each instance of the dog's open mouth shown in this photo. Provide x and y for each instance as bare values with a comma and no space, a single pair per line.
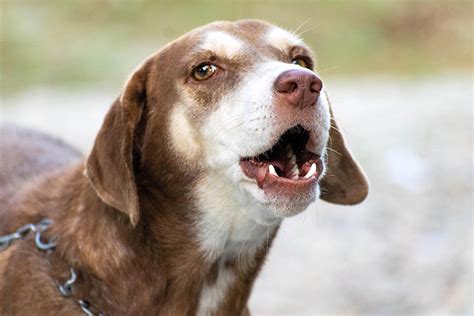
288,165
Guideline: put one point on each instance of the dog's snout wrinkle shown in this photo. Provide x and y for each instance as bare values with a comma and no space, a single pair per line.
298,87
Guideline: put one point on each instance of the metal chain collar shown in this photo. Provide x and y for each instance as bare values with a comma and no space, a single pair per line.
66,288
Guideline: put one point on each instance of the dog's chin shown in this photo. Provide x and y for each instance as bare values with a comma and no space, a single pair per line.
275,206
285,206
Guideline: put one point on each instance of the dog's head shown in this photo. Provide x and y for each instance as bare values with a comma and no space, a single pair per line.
238,104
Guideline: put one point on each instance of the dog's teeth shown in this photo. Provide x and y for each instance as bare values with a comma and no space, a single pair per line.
311,171
295,170
272,170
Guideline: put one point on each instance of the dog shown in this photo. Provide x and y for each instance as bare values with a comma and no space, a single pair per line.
214,140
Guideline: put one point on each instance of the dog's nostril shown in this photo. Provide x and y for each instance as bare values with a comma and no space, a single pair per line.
285,85
316,85
293,87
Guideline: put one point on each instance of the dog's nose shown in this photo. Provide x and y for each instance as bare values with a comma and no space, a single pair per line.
299,87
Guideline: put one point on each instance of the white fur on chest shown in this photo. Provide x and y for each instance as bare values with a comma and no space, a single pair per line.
231,224
230,227
213,295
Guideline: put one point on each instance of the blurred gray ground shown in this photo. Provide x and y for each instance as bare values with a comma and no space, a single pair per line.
407,250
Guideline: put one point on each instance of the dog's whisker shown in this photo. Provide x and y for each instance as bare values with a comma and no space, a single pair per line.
301,25
306,30
325,70
335,128
334,151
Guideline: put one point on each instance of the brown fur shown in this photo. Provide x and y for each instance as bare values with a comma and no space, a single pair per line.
344,173
125,221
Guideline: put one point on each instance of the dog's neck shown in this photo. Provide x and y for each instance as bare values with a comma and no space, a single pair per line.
230,224
214,254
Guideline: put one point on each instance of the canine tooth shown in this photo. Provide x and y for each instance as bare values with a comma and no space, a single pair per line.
272,170
289,151
311,171
295,170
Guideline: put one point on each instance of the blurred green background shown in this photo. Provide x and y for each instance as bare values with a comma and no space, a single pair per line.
81,42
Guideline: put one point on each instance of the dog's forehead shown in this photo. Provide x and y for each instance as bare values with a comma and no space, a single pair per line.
233,38
222,43
282,39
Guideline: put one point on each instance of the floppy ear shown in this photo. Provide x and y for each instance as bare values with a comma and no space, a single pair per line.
345,182
110,163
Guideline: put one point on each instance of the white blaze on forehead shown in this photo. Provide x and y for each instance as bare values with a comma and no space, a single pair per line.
282,39
223,44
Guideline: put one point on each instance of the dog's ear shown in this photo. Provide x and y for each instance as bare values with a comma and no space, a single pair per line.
345,182
110,163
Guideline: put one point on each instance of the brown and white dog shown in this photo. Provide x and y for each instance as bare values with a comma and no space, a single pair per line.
214,140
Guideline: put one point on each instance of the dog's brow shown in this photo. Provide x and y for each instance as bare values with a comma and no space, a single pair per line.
282,39
222,44
300,50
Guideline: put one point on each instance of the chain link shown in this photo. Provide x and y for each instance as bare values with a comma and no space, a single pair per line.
86,308
66,288
7,240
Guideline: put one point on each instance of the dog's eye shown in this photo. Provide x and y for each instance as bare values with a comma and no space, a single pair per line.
204,71
300,62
